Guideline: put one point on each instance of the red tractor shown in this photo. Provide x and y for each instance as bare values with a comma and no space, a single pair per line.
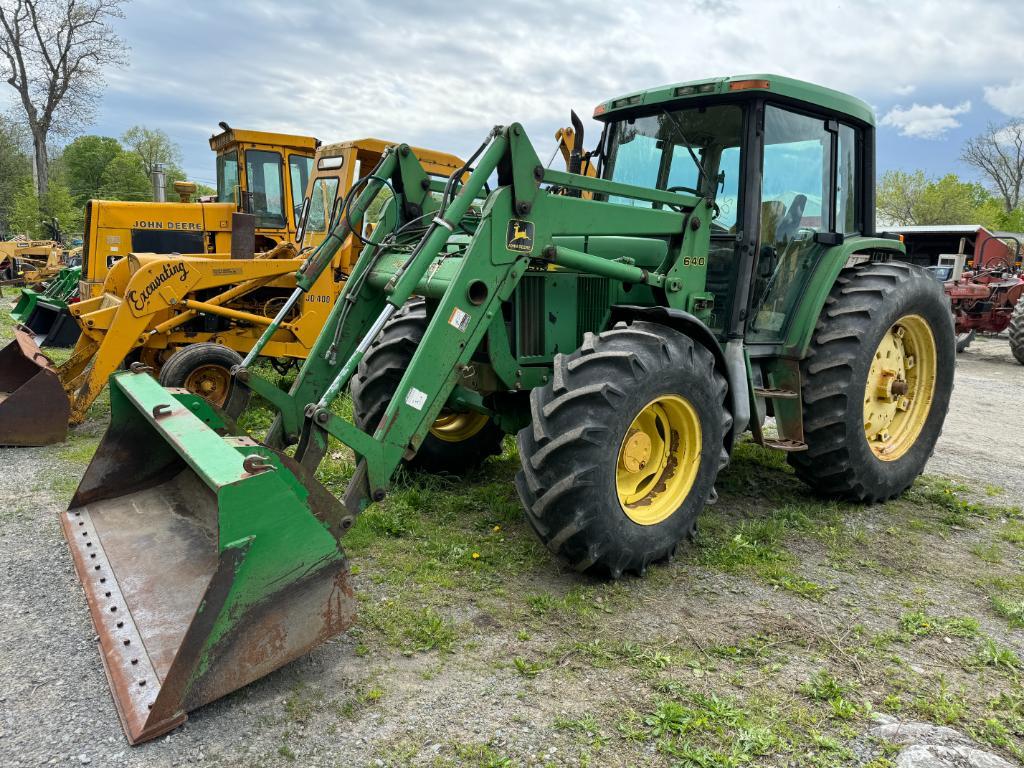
982,278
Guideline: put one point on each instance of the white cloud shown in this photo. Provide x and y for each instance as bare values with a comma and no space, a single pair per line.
922,121
442,73
1008,99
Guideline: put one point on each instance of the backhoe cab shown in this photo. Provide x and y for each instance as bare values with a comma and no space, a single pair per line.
259,173
721,265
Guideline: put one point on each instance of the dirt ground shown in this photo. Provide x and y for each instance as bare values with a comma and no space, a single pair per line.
984,434
772,641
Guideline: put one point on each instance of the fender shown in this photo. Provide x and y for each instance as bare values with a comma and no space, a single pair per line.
830,264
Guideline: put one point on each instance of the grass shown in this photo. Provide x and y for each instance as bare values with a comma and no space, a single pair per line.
920,624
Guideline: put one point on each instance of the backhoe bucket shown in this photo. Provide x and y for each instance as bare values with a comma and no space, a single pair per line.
208,561
34,408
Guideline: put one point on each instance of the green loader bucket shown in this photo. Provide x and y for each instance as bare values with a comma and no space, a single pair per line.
45,313
34,408
26,304
207,561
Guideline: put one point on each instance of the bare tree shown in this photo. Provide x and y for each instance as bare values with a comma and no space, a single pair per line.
999,154
53,55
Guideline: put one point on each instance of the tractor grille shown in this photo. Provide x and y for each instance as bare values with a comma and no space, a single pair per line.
530,331
591,304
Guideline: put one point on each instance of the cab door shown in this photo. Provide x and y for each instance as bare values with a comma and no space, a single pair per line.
808,202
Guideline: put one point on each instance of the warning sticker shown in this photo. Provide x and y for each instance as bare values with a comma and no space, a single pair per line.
459,319
416,398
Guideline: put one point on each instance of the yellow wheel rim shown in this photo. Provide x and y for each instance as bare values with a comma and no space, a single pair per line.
456,426
658,460
899,388
211,382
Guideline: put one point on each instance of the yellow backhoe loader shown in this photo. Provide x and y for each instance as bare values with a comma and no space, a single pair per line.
188,318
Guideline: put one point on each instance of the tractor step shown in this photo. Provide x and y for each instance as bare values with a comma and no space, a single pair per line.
774,393
789,446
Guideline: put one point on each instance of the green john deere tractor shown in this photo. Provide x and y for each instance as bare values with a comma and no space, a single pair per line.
723,266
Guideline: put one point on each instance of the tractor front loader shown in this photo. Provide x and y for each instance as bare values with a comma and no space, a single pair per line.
721,266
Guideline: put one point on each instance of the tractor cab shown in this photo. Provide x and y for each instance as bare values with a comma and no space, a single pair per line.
783,163
264,174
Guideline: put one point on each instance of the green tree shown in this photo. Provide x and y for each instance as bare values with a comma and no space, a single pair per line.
152,145
998,154
59,205
155,148
84,161
15,167
897,195
951,201
912,198
125,178
54,53
25,215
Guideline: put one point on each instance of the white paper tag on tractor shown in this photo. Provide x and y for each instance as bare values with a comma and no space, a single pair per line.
416,398
459,319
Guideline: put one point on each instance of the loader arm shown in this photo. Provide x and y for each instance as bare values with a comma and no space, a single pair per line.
471,292
413,203
152,302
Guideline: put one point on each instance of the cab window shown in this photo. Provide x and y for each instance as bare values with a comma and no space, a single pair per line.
299,168
847,215
266,187
227,177
321,202
658,151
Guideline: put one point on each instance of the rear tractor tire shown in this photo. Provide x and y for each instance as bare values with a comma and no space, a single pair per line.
458,441
876,383
624,447
205,370
1016,331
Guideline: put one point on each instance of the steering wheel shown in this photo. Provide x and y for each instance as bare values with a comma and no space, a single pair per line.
790,223
997,264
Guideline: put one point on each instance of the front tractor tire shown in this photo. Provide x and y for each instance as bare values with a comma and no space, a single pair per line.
458,441
876,383
624,447
205,370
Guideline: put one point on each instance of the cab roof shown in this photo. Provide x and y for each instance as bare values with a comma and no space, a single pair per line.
785,87
232,136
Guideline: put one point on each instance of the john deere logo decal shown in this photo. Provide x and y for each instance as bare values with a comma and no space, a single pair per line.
520,236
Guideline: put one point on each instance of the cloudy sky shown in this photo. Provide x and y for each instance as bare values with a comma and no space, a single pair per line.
440,74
